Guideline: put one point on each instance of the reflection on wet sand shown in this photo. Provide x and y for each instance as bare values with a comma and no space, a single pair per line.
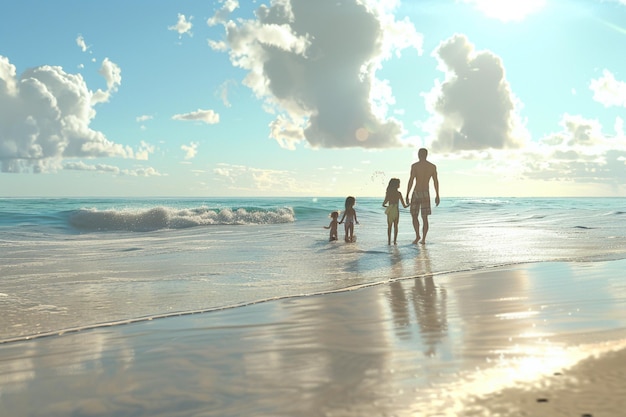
496,311
309,356
424,345
317,362
428,302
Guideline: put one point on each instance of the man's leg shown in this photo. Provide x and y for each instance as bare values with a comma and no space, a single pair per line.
425,231
416,226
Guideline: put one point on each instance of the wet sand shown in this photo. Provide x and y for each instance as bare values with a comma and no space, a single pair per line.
533,339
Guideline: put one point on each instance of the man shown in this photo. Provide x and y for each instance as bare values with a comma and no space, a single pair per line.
421,173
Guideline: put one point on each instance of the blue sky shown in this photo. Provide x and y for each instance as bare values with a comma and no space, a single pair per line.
303,98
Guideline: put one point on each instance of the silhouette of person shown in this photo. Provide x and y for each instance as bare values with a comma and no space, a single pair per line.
421,174
393,197
333,226
350,217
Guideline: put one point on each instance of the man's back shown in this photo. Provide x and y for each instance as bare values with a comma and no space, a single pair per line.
422,171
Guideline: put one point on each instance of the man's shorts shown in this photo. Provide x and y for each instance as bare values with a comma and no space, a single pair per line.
420,202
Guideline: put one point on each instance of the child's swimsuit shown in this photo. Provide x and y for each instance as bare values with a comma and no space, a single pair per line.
392,212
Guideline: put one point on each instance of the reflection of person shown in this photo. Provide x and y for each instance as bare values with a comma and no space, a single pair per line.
430,305
421,173
333,226
393,197
350,218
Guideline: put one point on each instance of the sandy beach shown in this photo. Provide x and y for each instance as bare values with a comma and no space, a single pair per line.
524,340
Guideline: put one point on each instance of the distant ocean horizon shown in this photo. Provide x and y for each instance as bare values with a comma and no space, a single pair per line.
73,263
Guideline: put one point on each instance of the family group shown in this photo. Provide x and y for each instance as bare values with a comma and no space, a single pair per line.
422,172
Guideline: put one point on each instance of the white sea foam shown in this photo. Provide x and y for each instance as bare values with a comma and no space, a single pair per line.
157,218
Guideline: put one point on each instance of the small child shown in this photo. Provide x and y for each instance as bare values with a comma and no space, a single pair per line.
393,197
350,217
333,226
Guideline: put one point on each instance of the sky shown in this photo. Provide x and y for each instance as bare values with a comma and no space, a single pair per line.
306,98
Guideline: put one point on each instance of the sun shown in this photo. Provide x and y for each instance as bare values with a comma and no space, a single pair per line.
508,10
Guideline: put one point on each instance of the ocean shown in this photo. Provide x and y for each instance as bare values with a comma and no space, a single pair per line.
69,264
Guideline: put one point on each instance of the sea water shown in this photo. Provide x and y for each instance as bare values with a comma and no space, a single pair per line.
70,263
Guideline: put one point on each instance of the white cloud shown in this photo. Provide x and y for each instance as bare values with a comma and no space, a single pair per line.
581,152
507,10
80,41
223,91
142,172
143,118
144,151
256,179
314,65
221,16
474,107
182,26
81,166
113,76
45,117
206,116
608,91
111,169
190,150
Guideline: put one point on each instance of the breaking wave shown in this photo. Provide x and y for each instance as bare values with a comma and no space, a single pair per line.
156,218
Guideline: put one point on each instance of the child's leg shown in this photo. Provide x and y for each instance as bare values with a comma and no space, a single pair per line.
395,232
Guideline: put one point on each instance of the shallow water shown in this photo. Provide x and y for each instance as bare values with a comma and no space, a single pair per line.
75,263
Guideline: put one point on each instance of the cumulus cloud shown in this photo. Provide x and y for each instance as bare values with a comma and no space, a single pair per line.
314,65
474,107
609,91
581,152
182,26
45,117
190,150
206,116
113,76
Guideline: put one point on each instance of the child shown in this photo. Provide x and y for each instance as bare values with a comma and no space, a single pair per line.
392,197
333,226
350,217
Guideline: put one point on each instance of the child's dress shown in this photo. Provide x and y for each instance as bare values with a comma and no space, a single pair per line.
393,212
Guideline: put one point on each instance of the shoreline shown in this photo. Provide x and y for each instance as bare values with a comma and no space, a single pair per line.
160,316
470,341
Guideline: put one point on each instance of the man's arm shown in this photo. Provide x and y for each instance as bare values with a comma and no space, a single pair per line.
409,186
436,184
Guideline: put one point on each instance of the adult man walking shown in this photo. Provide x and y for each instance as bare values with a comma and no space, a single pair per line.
421,173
